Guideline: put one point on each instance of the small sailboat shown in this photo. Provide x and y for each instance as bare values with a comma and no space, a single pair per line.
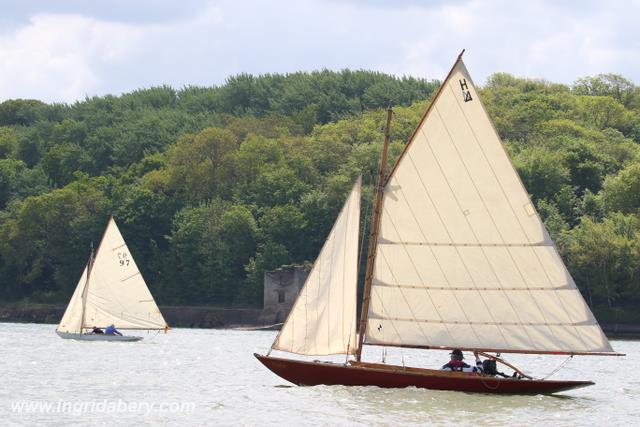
111,291
458,259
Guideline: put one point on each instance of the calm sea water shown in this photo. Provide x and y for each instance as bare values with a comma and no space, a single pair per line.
209,377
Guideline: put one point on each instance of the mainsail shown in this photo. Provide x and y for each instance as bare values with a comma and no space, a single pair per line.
322,321
462,258
111,290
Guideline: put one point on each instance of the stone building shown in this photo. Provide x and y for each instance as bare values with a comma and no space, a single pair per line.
281,287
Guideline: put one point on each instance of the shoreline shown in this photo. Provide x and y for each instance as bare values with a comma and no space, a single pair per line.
176,316
204,317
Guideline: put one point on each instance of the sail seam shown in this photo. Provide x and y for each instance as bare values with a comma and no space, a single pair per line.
466,288
467,322
478,245
137,273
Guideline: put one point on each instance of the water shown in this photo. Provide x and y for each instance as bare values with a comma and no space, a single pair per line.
207,377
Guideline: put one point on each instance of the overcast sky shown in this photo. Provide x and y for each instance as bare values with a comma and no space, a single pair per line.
65,50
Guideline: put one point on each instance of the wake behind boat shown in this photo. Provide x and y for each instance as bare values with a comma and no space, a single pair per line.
110,292
458,259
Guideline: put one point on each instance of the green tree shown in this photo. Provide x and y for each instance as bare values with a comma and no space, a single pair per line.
621,192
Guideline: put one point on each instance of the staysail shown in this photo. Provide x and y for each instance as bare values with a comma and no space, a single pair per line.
115,292
462,257
322,321
72,318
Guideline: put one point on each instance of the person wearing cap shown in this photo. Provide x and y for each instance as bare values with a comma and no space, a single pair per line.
457,363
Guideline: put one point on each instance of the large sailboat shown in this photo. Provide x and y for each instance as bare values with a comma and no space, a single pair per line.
111,291
458,259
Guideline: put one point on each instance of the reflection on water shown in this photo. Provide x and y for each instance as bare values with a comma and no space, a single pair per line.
214,374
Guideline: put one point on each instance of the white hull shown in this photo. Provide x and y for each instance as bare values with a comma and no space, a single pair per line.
97,337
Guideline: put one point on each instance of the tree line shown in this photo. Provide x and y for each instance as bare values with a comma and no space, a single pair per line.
213,186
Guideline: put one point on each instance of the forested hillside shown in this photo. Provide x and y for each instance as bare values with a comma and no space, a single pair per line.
211,186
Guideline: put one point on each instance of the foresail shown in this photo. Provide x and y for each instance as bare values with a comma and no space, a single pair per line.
322,321
117,293
72,319
462,258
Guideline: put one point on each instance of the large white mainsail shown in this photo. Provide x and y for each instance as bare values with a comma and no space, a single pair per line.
322,321
113,293
462,258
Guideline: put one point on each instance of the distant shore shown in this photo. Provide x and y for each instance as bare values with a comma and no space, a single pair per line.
216,317
180,317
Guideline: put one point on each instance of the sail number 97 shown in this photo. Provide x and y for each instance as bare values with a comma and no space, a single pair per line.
123,259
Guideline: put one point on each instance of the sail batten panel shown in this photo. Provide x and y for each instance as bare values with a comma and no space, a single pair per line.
322,321
462,253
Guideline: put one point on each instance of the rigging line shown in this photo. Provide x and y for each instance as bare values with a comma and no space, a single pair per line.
466,267
154,337
362,234
461,158
500,185
559,367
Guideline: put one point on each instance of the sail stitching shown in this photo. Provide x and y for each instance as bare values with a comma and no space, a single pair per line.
137,273
466,288
500,185
459,322
479,245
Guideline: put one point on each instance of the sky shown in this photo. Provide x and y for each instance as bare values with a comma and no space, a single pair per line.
67,50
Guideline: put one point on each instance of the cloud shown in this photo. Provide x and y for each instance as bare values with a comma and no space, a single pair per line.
58,57
62,51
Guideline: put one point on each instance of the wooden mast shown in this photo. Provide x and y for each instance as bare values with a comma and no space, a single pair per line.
375,226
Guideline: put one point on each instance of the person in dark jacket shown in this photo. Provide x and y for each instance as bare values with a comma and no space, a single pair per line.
457,363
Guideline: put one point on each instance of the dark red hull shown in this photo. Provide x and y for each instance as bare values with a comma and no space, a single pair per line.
388,376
